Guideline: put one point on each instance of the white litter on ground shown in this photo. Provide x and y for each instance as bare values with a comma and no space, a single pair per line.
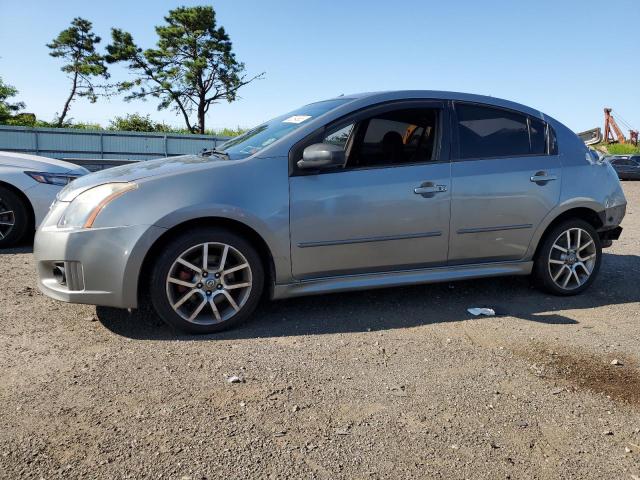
489,312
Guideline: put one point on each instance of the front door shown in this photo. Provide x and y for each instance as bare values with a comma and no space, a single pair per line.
505,180
387,208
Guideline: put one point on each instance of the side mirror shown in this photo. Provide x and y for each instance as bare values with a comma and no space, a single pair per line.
322,155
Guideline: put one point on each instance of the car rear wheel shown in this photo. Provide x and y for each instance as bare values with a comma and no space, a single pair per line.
14,218
569,258
206,281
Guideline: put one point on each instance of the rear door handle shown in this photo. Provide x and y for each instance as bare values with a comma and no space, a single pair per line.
429,188
542,177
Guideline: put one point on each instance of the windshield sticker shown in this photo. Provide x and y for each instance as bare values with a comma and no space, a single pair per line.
297,119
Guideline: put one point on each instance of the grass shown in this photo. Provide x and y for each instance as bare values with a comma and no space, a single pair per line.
618,148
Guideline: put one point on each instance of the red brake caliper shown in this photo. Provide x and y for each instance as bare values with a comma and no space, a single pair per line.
186,276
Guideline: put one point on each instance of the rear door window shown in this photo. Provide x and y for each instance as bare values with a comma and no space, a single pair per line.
488,132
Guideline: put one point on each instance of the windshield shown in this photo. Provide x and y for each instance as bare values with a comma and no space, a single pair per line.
264,135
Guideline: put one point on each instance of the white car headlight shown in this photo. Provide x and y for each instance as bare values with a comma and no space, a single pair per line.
83,210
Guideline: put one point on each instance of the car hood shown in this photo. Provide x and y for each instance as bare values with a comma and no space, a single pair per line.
137,171
39,164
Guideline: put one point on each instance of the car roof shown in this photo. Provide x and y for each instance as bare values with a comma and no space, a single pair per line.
440,95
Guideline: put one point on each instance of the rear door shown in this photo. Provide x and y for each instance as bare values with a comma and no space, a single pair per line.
505,176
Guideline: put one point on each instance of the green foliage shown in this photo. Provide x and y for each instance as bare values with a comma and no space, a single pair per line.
21,120
221,132
622,149
618,148
135,122
76,46
8,109
30,120
229,132
192,67
83,126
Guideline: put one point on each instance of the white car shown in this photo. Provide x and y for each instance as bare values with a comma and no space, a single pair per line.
28,186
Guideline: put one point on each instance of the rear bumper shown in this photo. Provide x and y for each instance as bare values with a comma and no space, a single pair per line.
611,218
613,234
608,236
102,265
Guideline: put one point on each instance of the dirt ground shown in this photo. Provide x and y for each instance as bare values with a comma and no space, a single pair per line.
396,383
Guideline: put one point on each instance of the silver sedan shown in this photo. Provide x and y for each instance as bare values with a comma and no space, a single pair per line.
360,191
28,186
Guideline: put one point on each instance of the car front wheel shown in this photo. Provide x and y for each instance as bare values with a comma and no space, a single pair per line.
206,281
569,258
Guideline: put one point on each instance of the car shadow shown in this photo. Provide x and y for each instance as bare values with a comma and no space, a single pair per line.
24,246
17,250
401,307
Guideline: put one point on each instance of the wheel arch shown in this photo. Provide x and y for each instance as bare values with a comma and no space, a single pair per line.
20,194
232,225
587,214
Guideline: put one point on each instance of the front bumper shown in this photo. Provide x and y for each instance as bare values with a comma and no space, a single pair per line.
102,265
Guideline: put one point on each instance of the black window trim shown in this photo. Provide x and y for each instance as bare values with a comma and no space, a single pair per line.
455,147
444,141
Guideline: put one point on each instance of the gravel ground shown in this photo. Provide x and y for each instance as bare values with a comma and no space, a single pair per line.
396,383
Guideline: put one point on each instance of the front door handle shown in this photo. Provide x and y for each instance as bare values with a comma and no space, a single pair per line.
542,177
429,188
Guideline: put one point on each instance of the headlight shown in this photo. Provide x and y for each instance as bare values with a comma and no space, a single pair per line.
83,210
60,179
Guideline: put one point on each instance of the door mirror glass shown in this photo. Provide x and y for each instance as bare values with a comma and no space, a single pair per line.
322,155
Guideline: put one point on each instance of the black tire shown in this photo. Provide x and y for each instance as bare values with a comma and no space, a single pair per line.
543,270
9,201
159,291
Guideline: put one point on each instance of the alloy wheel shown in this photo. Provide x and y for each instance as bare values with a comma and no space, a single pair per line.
572,258
7,219
209,283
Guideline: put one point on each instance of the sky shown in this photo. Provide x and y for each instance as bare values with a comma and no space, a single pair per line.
567,58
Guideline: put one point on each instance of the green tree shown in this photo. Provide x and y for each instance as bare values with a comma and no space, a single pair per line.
76,45
192,67
8,109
